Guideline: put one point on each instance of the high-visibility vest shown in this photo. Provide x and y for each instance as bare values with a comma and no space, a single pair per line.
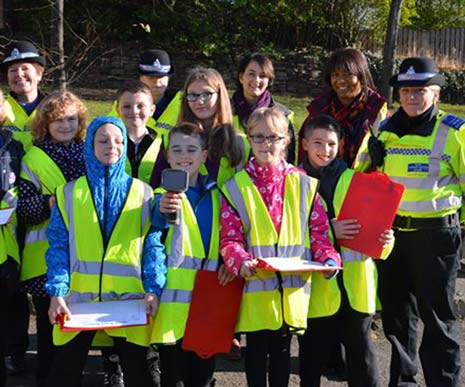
360,277
18,121
8,241
429,167
38,168
148,160
226,170
186,254
270,299
102,271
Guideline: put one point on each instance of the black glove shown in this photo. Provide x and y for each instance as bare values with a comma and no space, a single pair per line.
9,276
377,151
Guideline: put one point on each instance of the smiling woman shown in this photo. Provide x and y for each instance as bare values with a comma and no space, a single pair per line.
350,99
23,66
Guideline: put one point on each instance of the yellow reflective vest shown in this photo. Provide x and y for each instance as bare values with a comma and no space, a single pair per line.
38,168
8,241
431,168
226,170
18,122
186,254
360,277
271,299
99,271
148,160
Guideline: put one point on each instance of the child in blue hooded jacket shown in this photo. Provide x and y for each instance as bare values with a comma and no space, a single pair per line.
102,248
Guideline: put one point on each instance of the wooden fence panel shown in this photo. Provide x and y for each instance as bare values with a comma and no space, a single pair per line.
446,46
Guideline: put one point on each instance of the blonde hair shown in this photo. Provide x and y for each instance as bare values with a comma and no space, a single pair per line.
274,119
53,108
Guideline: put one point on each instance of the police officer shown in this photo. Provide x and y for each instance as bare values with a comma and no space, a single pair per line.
424,151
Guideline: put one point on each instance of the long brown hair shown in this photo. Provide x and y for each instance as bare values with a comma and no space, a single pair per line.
222,138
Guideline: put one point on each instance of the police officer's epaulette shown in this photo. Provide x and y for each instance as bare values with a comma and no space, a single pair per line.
453,121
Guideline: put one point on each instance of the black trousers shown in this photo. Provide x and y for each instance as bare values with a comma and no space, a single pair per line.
316,346
70,359
418,281
18,325
181,368
268,352
45,347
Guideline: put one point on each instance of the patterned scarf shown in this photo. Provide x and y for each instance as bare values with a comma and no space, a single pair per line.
348,117
244,109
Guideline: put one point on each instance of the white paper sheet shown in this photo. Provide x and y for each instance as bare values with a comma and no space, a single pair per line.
108,314
294,264
5,215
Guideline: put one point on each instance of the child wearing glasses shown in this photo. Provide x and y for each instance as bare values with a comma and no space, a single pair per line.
272,210
205,102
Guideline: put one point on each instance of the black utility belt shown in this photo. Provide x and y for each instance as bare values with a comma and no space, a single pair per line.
407,222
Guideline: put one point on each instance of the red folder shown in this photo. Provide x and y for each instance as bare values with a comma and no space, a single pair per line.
212,315
372,199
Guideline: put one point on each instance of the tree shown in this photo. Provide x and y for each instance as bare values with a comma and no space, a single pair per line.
57,40
389,50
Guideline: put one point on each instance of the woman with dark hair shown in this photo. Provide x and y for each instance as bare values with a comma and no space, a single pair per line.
255,75
351,100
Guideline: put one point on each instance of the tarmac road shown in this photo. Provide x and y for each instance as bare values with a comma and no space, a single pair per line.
231,373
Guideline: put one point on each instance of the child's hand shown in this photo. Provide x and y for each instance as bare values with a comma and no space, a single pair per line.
387,237
151,303
345,229
170,202
224,276
57,306
248,268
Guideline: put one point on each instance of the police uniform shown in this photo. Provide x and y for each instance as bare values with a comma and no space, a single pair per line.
425,153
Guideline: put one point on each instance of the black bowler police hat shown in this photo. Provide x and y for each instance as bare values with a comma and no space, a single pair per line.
418,71
156,63
21,51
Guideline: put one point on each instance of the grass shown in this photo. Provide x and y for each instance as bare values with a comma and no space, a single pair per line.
298,105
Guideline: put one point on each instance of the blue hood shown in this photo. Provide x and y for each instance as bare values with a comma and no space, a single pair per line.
109,184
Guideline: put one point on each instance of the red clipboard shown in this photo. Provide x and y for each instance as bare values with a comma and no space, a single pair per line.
212,315
372,199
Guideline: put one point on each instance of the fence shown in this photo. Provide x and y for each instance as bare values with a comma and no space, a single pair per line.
446,46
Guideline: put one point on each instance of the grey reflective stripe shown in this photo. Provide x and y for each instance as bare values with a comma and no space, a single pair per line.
32,176
186,262
429,182
293,281
363,156
148,194
68,190
241,208
116,269
264,251
211,265
258,285
304,192
176,257
163,125
438,149
10,199
74,297
176,295
352,256
462,179
33,236
433,205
